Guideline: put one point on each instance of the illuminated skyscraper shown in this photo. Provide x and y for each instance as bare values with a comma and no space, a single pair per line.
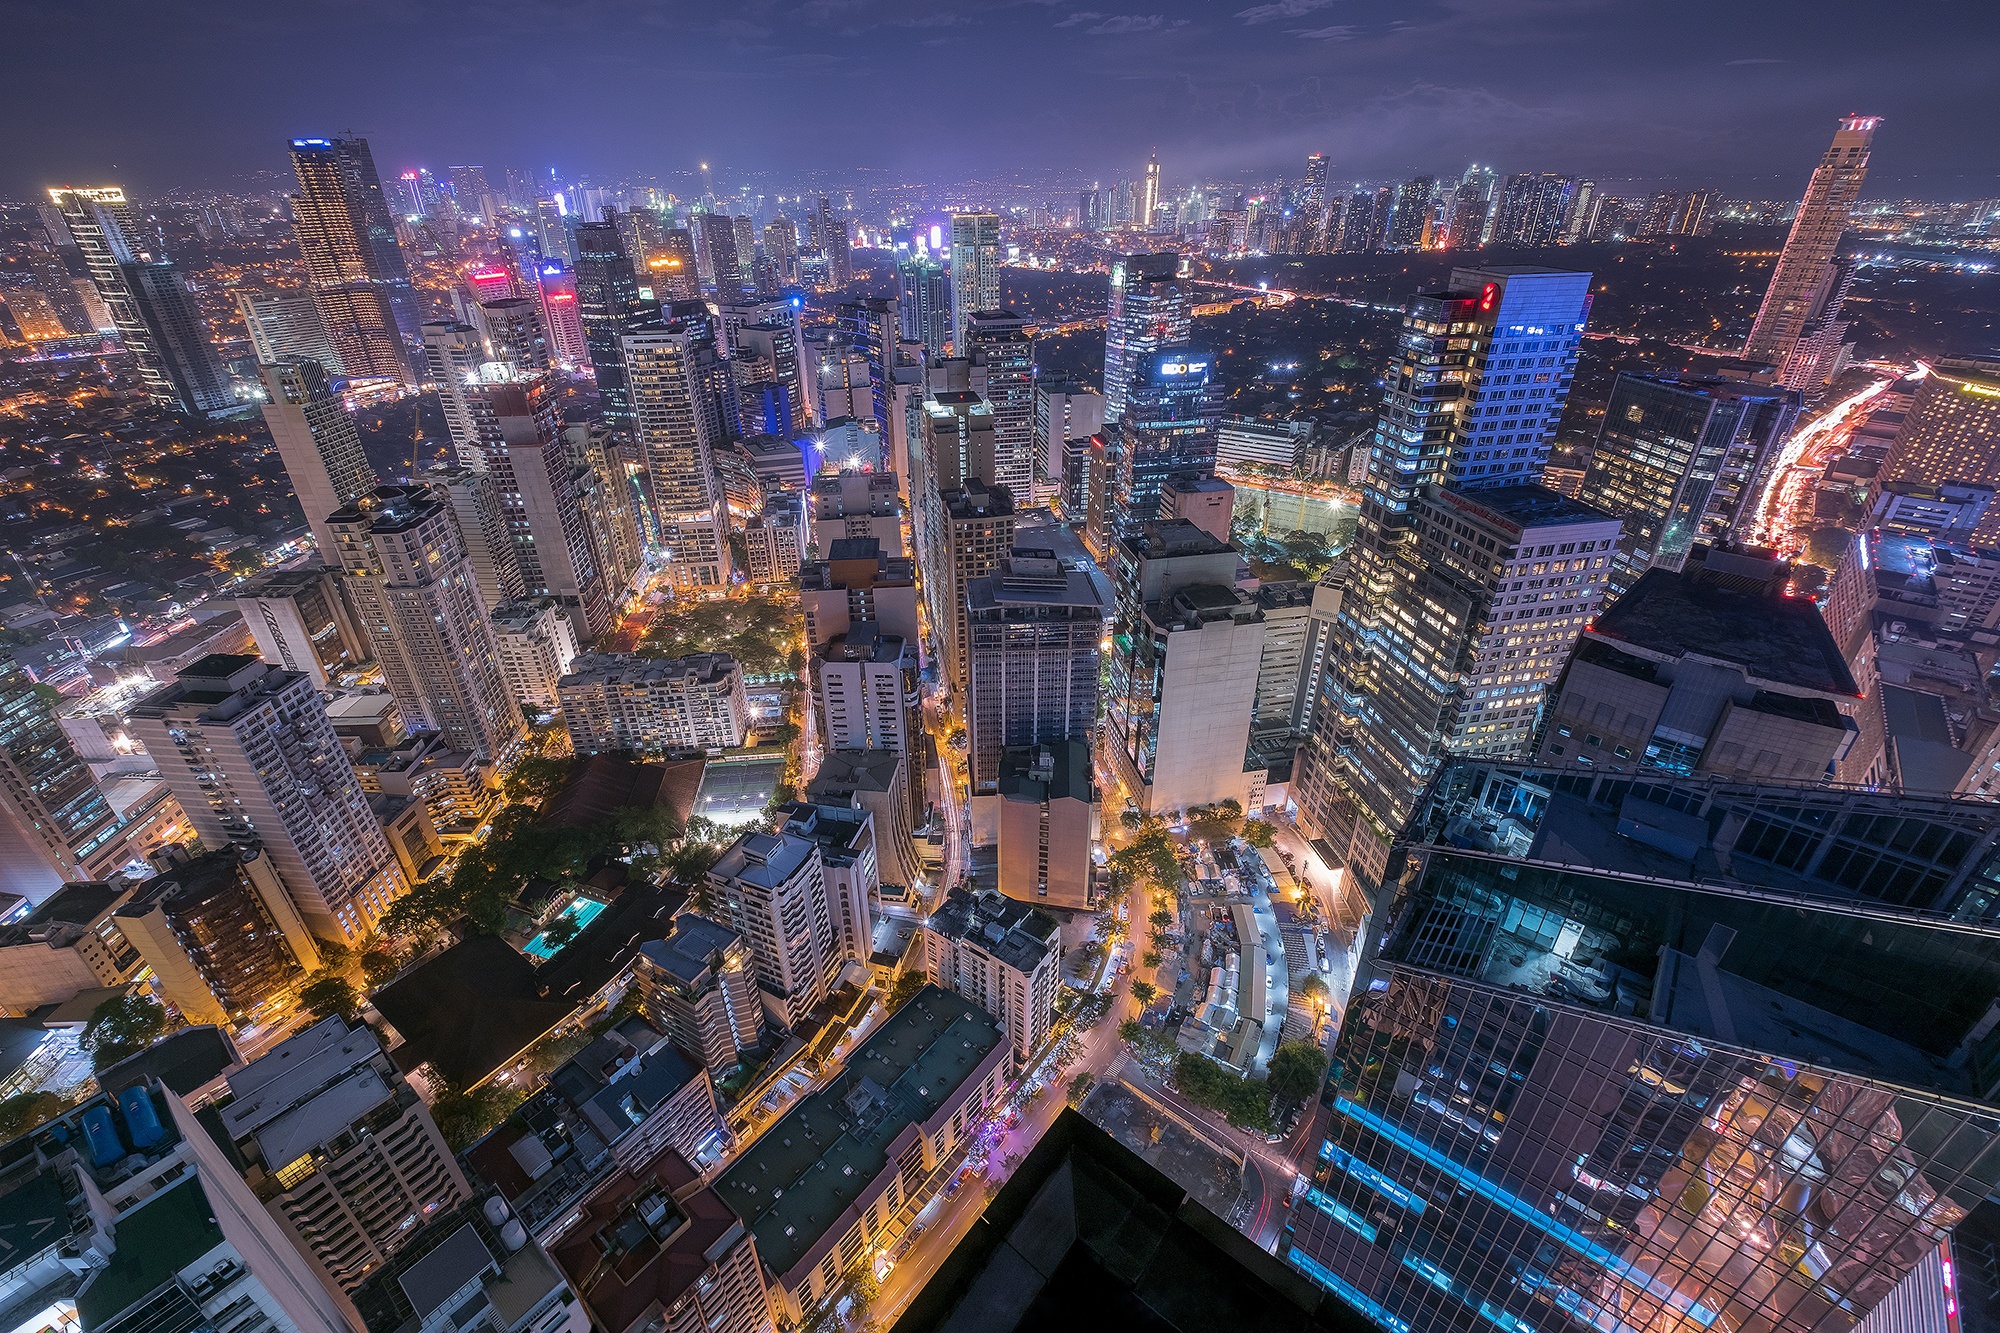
356,268
1151,308
1435,611
781,247
414,591
1149,194
284,327
715,244
1003,373
678,379
1532,209
317,443
608,303
924,302
1803,279
149,306
975,268
1411,223
1168,428
53,818
833,237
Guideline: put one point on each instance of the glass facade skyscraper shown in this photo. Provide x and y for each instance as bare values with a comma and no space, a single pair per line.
1151,308
1171,412
924,303
352,259
608,305
1635,1054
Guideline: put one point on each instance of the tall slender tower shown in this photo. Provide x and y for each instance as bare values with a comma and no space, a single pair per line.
677,378
1149,193
1803,278
607,300
975,268
317,442
1151,308
356,268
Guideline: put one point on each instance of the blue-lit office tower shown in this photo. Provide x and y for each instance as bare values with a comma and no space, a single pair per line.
1667,1054
924,302
870,325
1171,413
608,305
348,242
1482,371
1151,308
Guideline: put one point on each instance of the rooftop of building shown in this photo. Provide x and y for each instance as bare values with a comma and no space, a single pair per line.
845,771
1532,507
1086,1234
1016,933
643,1240
183,1061
1779,641
1199,604
284,582
306,1090
691,948
765,859
391,509
1054,772
1034,577
1188,483
601,785
838,829
864,641
632,668
471,1008
153,1243
1170,537
801,1177
1832,926
976,499
519,615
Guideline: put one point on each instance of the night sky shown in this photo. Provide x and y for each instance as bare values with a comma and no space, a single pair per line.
156,94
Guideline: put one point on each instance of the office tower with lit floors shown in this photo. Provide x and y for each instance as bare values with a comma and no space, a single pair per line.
248,750
53,819
1678,457
1168,428
353,262
923,301
286,327
676,382
1440,569
1803,278
1659,1052
608,306
414,592
1151,307
1002,353
975,269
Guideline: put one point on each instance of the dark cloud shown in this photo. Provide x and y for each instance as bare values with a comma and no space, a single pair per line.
157,95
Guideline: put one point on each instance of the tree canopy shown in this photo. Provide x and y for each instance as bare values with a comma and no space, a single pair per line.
124,1025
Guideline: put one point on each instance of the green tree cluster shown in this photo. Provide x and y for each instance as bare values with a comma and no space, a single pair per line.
1297,1069
124,1025
1206,1083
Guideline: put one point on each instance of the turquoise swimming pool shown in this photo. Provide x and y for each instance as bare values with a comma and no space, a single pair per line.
582,911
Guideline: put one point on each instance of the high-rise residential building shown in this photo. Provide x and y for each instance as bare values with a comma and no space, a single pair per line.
1034,627
54,821
1001,955
516,334
971,531
857,504
775,345
52,280
413,589
865,688
834,245
1802,279
912,1095
1310,205
773,887
1532,209
1168,428
1603,982
1709,670
352,259
715,245
537,645
606,471
317,442
1949,432
957,437
924,302
656,1248
1471,207
872,327
615,702
248,750
286,327
1410,228
781,247
1150,308
340,1149
220,935
301,623
1002,354
700,984
474,495
608,307
775,541
1678,457
677,381
855,581
844,836
1184,683
975,269
1207,502
1414,591
556,286
1066,417
146,299
878,781
1047,804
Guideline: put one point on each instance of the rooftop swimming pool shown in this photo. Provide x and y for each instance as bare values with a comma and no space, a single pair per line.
582,911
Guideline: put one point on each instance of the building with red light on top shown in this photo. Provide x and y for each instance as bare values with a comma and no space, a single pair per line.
565,323
491,283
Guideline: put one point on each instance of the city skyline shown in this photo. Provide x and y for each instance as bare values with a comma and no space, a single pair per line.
1219,92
